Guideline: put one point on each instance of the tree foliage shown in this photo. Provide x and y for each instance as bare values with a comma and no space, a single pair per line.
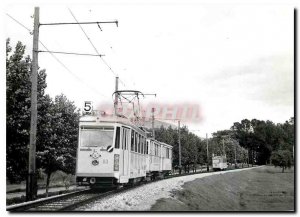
282,158
57,122
248,141
18,92
261,138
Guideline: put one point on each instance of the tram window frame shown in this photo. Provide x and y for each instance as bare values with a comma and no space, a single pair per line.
159,151
117,138
122,139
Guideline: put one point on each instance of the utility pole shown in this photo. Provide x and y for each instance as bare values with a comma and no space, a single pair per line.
207,153
116,96
248,156
235,163
179,146
224,153
31,184
153,131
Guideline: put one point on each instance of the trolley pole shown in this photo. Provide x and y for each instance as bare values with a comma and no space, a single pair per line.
207,153
179,147
31,184
116,96
153,131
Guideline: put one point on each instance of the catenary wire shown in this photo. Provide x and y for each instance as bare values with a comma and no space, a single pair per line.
60,62
71,53
88,38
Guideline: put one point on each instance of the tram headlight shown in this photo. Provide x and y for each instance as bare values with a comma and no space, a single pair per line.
95,162
116,162
93,180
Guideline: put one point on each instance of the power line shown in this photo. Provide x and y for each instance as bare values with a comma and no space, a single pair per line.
79,54
79,24
63,65
30,31
96,22
60,62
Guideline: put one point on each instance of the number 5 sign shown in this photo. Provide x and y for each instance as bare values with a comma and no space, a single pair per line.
87,107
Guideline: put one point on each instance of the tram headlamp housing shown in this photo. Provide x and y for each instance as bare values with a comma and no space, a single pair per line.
116,162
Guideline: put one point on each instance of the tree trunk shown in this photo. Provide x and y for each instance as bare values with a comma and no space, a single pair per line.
47,183
283,169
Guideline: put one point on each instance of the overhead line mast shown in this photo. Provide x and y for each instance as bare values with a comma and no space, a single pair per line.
31,184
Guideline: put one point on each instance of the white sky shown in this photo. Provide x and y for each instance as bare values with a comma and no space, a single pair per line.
236,61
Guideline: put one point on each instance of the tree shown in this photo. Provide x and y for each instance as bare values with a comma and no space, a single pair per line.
57,121
282,158
57,150
18,102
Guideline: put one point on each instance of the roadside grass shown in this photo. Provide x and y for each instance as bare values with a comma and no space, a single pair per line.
56,180
258,189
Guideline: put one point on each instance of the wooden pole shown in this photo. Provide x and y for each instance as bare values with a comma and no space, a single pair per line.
207,153
31,185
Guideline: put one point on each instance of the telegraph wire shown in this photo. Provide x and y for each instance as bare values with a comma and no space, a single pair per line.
115,74
59,61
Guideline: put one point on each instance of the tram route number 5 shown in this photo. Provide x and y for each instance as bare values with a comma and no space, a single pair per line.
88,107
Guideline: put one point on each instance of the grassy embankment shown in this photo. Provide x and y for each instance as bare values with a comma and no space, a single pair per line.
258,189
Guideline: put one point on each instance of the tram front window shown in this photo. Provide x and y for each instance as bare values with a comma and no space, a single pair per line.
96,138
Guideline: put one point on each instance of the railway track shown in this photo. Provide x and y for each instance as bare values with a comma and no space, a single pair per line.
71,201
67,202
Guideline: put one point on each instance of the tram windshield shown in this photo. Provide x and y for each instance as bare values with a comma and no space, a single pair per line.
96,137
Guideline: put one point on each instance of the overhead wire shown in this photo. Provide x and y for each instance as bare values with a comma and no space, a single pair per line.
90,41
57,59
70,53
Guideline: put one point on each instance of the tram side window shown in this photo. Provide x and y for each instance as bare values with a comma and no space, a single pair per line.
139,145
142,145
117,140
135,142
167,153
147,147
132,141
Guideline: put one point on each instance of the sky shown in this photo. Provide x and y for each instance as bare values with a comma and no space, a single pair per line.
233,60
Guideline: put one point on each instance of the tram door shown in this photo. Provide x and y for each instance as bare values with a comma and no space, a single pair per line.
125,150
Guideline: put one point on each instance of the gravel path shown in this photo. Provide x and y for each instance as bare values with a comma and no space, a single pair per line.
143,197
